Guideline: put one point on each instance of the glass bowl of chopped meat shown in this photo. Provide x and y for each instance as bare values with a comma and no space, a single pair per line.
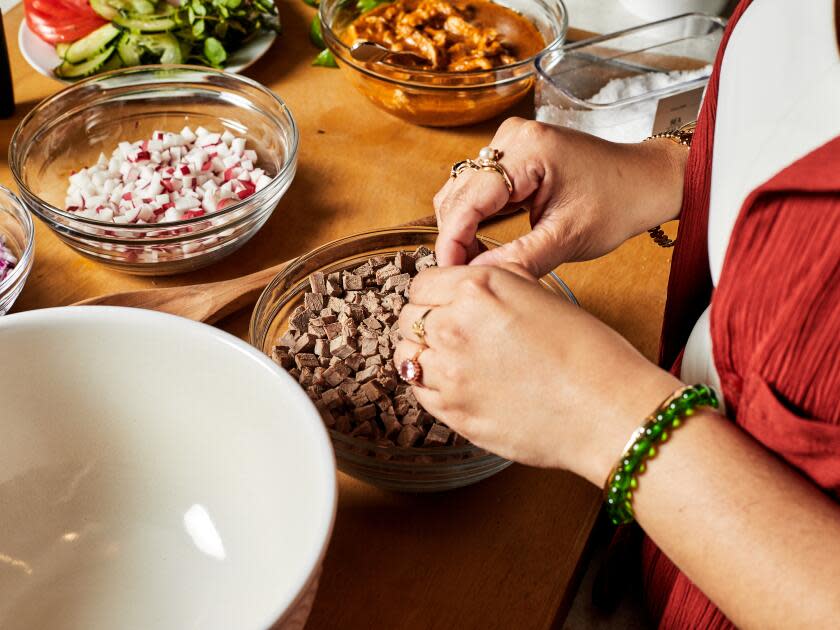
330,319
159,169
472,59
17,246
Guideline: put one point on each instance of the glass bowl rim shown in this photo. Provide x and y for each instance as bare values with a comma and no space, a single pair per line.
550,52
281,175
332,36
407,451
25,219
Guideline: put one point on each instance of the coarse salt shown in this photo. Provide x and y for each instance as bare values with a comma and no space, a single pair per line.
623,123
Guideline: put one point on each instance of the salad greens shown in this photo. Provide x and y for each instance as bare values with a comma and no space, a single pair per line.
147,31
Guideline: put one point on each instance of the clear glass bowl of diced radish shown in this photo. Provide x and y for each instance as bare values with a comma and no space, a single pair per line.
411,469
156,170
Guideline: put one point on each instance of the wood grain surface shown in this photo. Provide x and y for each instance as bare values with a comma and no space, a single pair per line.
502,554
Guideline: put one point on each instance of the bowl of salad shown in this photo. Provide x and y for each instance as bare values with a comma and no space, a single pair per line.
73,39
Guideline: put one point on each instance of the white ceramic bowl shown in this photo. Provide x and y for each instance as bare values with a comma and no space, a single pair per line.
155,474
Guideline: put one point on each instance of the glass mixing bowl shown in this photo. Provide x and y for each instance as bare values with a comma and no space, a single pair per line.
19,237
442,99
394,468
70,129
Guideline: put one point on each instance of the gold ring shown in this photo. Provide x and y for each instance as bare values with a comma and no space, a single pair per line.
488,160
411,371
461,166
419,326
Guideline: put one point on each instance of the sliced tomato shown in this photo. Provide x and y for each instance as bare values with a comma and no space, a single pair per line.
61,20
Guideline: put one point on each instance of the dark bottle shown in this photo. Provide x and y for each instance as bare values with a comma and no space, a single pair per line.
7,95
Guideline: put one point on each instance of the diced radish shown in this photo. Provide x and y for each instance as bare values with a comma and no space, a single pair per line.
187,203
166,177
209,204
246,192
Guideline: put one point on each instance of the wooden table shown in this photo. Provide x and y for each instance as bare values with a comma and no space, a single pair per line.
505,553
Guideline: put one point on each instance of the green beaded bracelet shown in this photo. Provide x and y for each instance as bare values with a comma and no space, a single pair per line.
618,491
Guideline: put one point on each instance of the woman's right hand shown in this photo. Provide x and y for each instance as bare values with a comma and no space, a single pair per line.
586,196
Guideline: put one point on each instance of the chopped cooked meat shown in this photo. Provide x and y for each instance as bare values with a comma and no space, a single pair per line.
448,34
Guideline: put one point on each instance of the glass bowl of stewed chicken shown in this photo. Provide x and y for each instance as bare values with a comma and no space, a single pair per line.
452,62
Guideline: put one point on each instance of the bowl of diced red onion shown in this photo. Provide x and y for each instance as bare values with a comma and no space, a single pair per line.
156,170
17,242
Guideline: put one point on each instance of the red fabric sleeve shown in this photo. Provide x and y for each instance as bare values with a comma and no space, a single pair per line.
775,327
776,317
776,338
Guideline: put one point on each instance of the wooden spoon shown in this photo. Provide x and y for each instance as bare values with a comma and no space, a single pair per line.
208,302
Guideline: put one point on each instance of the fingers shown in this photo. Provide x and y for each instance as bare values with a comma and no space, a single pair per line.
476,195
462,205
409,315
432,375
534,252
433,402
438,286
519,270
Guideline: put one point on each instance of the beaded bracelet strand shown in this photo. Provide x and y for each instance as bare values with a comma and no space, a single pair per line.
618,491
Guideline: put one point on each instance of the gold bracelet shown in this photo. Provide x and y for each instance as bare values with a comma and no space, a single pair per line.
684,135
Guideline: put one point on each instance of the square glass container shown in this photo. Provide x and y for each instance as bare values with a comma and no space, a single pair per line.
630,84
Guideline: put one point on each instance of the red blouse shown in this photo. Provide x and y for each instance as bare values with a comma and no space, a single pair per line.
775,325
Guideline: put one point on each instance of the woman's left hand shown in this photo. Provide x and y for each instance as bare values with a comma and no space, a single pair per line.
524,373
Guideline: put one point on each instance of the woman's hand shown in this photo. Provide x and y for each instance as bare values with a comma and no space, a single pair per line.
586,196
525,374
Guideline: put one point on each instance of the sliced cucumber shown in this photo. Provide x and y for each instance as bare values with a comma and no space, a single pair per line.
162,11
92,44
113,63
143,7
61,49
104,9
145,24
109,9
93,65
134,47
128,51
